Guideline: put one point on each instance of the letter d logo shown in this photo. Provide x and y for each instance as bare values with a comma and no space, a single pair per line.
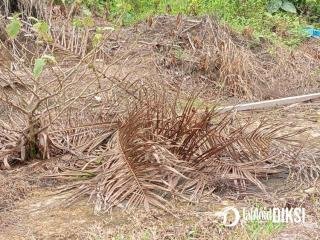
230,211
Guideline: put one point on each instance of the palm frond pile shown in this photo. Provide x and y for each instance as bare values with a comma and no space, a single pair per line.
160,150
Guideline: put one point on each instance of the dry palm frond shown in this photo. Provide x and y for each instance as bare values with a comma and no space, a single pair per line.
159,151
11,190
9,150
135,169
79,138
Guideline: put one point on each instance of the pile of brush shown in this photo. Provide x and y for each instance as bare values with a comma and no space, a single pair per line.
203,52
160,150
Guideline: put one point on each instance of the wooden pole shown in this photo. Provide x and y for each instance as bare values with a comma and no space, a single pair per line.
270,103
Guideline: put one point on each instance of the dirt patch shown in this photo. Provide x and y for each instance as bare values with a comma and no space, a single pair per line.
41,216
17,183
44,217
305,232
312,48
12,189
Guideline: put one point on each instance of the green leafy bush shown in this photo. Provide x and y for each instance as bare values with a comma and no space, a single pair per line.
285,5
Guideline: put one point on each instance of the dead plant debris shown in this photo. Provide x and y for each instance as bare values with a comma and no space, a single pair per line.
126,113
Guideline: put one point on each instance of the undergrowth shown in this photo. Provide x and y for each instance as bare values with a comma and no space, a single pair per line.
250,17
257,230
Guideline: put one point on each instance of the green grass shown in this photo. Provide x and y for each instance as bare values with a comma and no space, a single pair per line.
259,230
251,15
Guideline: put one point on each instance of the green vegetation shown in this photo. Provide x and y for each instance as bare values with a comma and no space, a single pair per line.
259,230
14,27
274,20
